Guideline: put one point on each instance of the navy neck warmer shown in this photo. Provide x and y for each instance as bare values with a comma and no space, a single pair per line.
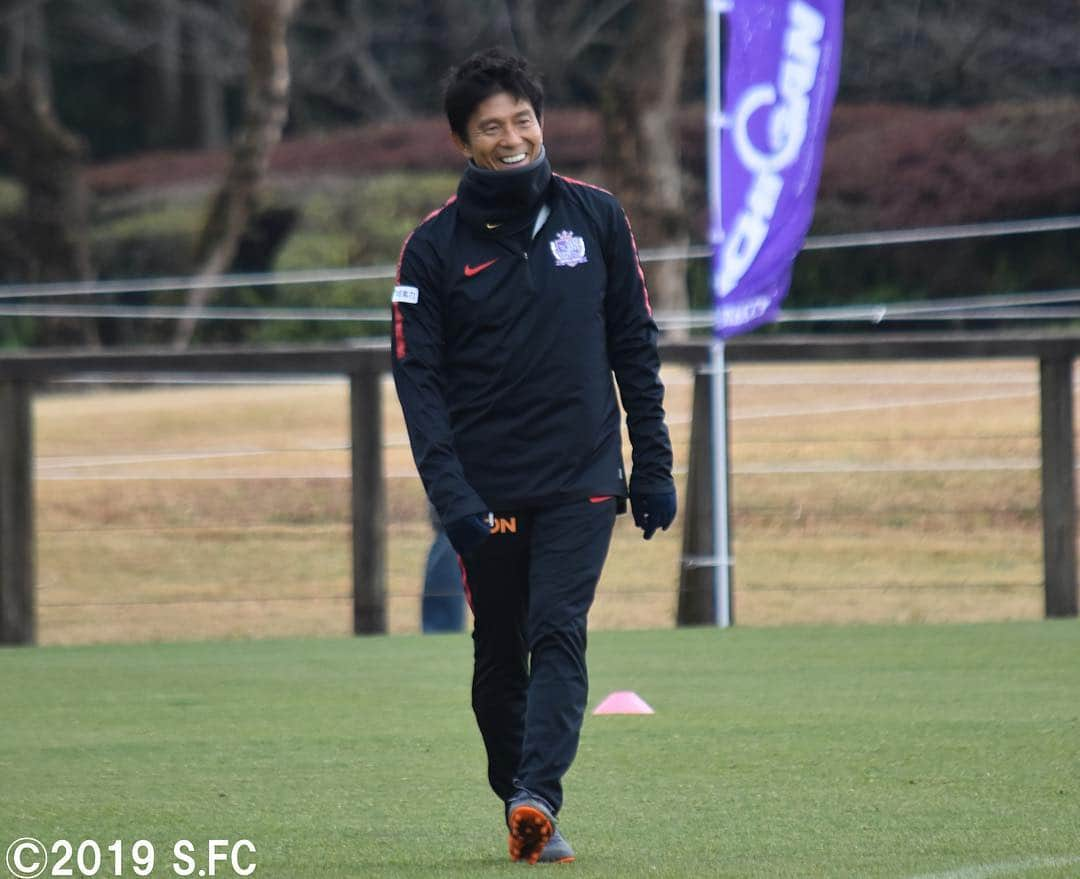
503,202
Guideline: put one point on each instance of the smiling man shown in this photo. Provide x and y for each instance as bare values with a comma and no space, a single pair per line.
515,305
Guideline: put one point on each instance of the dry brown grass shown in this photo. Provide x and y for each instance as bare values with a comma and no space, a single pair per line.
224,511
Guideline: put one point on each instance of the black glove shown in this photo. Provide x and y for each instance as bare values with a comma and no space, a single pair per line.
468,533
652,511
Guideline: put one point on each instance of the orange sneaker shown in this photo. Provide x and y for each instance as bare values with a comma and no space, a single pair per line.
531,826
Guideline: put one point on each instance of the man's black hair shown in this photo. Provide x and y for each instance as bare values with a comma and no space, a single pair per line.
482,75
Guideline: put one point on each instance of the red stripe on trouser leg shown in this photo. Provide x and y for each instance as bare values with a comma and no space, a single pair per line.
601,498
465,582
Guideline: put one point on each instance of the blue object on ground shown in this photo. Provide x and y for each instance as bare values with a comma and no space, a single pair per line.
443,605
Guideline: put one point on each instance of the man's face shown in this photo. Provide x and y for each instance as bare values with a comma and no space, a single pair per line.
504,133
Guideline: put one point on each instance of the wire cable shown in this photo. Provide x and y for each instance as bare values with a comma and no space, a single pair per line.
178,283
178,312
1013,306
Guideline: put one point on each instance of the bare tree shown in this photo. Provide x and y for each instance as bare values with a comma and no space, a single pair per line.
47,159
556,36
208,99
52,237
1008,50
345,71
265,111
27,51
164,90
190,51
468,25
640,108
212,51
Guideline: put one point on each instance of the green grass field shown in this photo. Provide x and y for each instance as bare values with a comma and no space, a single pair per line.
862,751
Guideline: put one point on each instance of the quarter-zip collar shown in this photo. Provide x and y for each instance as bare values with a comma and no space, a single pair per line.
502,203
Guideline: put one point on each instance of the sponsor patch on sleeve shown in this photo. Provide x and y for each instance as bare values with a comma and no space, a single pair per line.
410,295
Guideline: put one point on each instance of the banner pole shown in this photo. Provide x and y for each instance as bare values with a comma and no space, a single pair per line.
721,565
721,535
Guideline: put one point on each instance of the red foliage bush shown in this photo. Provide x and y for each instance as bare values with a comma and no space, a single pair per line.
885,166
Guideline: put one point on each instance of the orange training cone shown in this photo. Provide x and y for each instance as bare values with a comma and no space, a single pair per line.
624,702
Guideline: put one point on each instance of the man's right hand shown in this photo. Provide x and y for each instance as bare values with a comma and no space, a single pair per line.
468,533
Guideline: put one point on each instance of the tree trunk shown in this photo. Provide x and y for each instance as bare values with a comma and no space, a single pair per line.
53,235
209,92
641,137
370,70
28,54
164,83
265,111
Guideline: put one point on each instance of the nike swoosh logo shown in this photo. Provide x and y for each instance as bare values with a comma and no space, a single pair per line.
476,270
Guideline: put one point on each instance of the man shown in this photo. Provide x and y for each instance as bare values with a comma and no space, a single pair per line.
515,303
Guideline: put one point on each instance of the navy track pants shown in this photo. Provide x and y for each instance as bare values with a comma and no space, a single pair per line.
530,586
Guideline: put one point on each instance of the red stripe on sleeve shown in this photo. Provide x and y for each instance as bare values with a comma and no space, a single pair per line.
637,262
399,333
405,243
633,242
399,324
582,183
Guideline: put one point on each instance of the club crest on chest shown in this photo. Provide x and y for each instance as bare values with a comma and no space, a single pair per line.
568,249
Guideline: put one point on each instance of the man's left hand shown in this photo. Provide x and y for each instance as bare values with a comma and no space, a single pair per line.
652,511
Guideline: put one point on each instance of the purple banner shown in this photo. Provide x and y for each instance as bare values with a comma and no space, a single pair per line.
782,67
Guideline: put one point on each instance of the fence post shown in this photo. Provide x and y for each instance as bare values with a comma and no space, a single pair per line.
368,504
17,610
1058,486
696,604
